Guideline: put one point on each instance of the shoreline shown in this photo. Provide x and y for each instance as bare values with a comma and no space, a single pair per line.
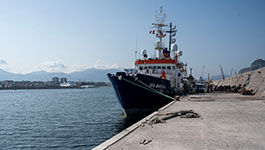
49,88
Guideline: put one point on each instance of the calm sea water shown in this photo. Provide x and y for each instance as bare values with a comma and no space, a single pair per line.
60,118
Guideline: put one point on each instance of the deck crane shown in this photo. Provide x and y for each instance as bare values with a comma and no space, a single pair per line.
209,79
202,73
222,72
231,73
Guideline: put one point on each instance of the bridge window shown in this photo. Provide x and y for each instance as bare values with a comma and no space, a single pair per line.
163,67
169,67
159,67
173,67
141,68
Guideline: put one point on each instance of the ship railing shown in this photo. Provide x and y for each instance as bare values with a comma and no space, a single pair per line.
156,71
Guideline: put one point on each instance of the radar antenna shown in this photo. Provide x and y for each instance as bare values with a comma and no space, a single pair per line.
161,16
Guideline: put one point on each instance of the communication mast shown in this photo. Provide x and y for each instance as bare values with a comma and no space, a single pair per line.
160,19
160,34
172,32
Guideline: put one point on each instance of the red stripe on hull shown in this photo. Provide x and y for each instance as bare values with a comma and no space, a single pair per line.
155,61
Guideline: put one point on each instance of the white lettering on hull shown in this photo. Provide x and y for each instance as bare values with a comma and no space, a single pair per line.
157,86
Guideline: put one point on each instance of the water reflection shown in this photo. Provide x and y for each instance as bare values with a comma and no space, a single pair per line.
127,121
60,119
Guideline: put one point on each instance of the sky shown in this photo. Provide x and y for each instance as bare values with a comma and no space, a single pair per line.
67,35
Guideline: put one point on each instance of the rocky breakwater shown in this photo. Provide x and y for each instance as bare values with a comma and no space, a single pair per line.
248,83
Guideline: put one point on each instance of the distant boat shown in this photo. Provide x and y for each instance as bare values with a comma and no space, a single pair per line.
88,86
155,81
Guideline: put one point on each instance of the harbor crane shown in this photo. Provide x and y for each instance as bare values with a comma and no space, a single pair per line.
231,73
202,73
222,72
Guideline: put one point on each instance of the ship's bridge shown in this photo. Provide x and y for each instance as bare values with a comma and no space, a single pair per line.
155,64
156,67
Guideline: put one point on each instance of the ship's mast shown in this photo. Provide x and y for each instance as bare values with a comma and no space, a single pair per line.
172,32
160,18
160,34
169,43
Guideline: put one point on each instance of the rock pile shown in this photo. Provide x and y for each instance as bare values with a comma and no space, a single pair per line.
248,83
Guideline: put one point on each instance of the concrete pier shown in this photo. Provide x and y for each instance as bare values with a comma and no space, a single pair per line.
217,121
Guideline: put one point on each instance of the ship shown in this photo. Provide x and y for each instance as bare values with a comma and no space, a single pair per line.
154,81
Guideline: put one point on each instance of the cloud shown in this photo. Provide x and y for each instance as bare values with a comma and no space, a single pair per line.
99,65
75,67
58,66
2,62
52,66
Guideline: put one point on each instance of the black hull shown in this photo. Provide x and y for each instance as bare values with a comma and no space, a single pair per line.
136,96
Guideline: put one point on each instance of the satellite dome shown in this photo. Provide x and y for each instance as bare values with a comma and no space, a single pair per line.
174,47
179,53
144,53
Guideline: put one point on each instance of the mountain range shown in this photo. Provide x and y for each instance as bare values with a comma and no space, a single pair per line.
258,63
91,74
